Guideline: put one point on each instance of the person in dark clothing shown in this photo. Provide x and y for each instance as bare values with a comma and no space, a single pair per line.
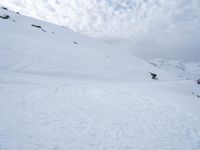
153,75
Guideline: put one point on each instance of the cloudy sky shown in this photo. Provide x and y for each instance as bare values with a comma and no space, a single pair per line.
170,27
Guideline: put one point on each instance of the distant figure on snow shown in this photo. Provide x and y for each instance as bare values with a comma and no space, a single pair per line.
153,76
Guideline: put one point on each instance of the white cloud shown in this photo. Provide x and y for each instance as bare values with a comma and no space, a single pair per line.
153,21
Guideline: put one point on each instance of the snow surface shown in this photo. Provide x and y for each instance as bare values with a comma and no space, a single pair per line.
58,95
187,70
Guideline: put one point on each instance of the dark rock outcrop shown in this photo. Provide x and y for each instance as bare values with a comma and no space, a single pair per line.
36,26
198,81
5,17
4,8
39,27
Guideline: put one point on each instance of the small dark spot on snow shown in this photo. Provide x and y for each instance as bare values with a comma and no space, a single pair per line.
44,30
75,42
198,81
198,96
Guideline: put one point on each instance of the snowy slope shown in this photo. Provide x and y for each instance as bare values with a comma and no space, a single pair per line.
60,90
186,70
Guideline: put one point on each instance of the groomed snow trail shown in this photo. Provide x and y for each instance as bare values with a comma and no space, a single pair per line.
55,95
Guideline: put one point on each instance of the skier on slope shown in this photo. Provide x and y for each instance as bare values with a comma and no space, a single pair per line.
153,76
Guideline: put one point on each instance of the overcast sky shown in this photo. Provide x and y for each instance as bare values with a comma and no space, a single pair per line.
157,26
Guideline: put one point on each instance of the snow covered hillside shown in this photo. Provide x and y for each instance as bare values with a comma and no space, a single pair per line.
186,70
60,90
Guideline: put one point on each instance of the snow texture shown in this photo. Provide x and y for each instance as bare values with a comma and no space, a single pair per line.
182,69
60,90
